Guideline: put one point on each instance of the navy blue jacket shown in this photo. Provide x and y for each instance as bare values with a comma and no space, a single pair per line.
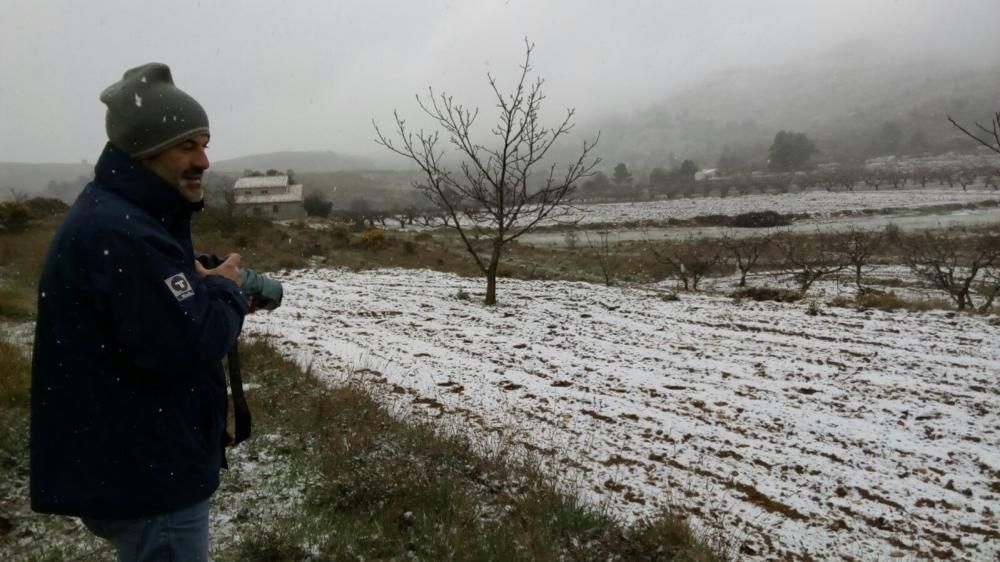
128,397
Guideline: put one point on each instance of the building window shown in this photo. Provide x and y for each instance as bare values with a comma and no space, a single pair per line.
263,192
275,209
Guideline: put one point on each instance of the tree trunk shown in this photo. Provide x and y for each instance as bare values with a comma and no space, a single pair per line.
491,286
491,277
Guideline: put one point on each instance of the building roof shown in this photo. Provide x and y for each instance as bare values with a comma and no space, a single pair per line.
261,181
293,195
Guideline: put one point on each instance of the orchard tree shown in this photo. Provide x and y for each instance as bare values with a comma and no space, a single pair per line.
810,257
746,250
953,260
687,261
790,151
491,196
858,247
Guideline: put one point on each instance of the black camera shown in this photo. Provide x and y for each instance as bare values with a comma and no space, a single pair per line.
265,292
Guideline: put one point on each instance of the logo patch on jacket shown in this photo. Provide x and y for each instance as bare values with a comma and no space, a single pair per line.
179,286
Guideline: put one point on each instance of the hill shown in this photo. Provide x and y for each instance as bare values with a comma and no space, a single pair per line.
853,103
61,181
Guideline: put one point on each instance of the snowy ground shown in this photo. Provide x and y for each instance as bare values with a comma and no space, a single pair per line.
866,434
817,203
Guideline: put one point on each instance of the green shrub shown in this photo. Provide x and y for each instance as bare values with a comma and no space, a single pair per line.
14,217
813,309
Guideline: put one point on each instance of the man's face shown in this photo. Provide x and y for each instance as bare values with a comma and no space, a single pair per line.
182,165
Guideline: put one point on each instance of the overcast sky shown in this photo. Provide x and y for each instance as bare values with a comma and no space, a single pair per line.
311,75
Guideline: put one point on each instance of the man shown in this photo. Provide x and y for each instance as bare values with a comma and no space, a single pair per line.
128,400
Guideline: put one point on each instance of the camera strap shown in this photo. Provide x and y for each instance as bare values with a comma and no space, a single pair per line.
241,412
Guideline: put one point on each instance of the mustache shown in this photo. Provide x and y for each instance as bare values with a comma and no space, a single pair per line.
193,173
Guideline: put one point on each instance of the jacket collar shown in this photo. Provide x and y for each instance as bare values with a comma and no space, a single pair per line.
130,180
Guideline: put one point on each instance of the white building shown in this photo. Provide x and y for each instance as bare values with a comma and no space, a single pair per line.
269,197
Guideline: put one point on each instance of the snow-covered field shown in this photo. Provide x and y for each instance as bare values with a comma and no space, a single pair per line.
817,203
866,434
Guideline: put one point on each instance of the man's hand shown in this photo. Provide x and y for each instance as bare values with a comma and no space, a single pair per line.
230,268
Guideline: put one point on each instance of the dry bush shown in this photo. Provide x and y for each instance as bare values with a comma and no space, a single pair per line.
605,251
889,301
373,237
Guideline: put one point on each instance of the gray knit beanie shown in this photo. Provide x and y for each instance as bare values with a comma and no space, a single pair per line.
147,114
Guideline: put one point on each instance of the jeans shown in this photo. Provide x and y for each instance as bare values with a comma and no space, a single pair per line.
178,536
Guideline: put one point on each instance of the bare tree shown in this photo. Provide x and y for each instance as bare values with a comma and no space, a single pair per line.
897,178
922,175
990,176
858,247
18,196
495,181
966,178
812,257
747,250
987,141
952,260
689,261
606,252
990,288
874,178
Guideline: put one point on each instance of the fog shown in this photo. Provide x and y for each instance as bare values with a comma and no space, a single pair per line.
312,75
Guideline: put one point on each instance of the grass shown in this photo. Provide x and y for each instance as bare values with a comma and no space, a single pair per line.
21,257
375,487
890,301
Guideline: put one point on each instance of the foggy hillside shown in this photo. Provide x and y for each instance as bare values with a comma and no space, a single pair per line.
48,180
843,101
